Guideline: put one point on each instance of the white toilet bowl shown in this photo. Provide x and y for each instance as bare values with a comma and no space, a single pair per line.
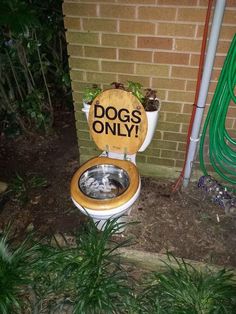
107,186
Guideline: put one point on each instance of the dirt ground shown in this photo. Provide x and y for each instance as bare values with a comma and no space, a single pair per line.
185,223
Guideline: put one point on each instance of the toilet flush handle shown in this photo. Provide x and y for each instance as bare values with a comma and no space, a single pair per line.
107,150
125,154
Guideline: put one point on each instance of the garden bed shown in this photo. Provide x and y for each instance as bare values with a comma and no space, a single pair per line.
184,223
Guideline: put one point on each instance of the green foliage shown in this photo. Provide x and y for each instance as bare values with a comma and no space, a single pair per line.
149,100
136,89
91,93
91,273
16,267
186,290
20,186
101,282
33,64
39,278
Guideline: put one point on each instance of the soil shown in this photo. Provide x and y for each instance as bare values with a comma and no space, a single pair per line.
185,223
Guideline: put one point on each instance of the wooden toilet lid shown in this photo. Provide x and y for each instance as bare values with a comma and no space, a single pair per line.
117,122
105,204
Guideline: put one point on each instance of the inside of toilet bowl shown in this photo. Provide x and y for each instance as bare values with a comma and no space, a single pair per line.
104,182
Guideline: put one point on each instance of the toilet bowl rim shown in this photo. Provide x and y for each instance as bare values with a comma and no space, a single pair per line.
112,213
107,204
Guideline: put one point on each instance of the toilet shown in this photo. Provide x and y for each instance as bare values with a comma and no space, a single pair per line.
108,185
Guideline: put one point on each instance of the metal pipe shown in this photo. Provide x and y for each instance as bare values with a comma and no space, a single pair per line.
209,62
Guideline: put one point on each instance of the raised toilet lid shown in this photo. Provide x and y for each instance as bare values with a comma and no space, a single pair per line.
117,122
103,183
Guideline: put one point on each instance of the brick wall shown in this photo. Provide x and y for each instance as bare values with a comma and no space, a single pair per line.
154,42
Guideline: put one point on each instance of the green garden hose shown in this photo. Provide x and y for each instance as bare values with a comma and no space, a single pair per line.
222,143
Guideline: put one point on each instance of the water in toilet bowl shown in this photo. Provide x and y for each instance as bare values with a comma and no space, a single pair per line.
104,182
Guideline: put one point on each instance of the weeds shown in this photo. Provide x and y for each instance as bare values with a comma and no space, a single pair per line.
20,186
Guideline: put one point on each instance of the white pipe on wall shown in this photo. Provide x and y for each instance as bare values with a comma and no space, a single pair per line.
206,76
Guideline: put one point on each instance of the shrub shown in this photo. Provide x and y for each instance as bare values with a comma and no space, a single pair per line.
33,64
186,290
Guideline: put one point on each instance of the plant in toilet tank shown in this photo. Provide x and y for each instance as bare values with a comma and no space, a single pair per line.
90,93
136,89
118,85
149,100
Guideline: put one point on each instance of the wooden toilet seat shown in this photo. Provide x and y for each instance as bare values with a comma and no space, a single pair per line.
105,204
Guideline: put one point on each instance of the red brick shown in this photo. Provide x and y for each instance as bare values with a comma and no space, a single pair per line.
169,84
176,30
90,24
190,15
115,40
171,107
137,1
160,161
152,69
100,52
101,78
117,67
188,45
137,27
184,72
75,50
180,3
144,80
176,137
82,63
135,55
72,23
181,96
154,42
172,154
82,38
156,13
117,11
191,85
223,46
187,108
171,58
79,9
229,16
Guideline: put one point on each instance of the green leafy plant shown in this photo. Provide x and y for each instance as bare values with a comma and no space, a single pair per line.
187,290
102,284
20,186
17,263
136,89
90,93
90,279
89,275
33,64
149,101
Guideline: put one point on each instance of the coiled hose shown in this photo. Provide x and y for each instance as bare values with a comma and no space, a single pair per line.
222,145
